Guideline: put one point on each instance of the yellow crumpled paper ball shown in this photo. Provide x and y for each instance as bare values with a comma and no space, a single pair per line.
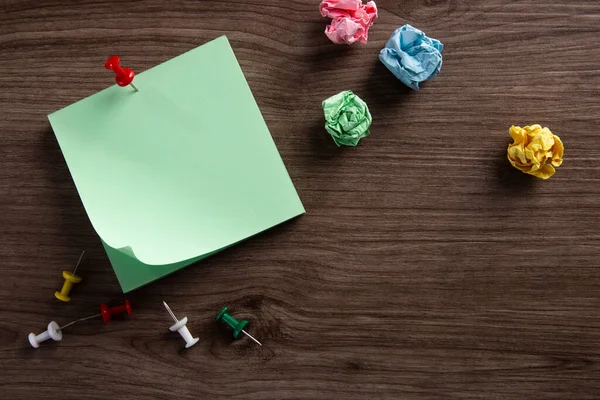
533,146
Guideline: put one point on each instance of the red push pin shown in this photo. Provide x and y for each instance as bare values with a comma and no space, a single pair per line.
107,312
123,76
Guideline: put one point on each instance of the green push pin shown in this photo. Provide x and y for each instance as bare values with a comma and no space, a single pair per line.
237,326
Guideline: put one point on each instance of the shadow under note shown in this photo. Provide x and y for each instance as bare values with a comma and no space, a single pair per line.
63,189
76,231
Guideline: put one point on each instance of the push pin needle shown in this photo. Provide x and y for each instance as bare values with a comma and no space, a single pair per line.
170,312
78,320
250,336
78,262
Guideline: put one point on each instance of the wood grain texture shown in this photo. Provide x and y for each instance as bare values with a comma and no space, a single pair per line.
425,267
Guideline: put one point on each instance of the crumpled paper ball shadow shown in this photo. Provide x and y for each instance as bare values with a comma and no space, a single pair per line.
412,56
532,148
351,20
347,118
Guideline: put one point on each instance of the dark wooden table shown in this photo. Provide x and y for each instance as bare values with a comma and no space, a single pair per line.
426,267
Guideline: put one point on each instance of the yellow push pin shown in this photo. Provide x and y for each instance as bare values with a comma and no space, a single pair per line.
70,279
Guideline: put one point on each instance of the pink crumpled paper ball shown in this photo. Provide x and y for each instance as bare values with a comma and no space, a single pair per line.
351,20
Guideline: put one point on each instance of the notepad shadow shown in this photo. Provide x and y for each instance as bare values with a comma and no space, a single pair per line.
70,218
68,204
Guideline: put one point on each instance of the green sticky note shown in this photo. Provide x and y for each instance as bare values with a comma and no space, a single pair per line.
179,170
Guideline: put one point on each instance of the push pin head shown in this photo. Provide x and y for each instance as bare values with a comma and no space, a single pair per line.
70,280
237,326
53,332
107,312
181,328
123,76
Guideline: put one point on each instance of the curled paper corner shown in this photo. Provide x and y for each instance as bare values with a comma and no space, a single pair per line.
128,251
351,20
131,269
347,118
140,257
535,150
412,56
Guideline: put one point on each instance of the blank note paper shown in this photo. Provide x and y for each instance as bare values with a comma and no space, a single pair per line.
179,170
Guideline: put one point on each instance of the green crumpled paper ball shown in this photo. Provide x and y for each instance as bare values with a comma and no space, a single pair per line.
347,118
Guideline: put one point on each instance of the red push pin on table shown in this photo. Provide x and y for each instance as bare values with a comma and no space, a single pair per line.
123,76
107,312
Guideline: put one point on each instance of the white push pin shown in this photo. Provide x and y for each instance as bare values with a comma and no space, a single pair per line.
180,326
53,333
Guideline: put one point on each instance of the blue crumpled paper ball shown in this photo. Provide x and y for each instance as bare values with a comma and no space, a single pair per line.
412,56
